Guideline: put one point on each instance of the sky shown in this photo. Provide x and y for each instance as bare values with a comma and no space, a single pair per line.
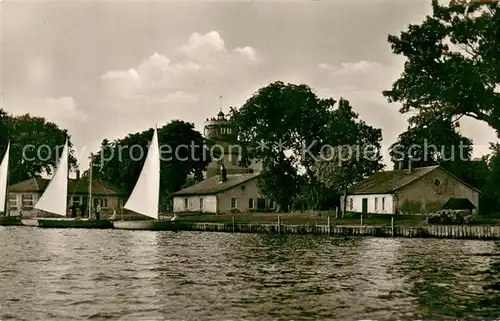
104,69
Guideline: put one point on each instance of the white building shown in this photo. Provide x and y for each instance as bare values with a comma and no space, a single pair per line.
409,191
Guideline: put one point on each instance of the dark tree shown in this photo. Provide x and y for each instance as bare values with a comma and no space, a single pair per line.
36,146
452,64
182,155
434,142
356,152
283,126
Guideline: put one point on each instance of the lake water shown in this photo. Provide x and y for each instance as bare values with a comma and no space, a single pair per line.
125,275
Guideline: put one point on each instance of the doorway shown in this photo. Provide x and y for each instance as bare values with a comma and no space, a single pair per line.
364,209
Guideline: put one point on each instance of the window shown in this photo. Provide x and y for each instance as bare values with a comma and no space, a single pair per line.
234,160
234,203
104,202
186,203
376,204
437,182
229,130
75,200
12,201
261,203
351,203
271,204
250,203
85,200
383,204
201,203
27,200
222,130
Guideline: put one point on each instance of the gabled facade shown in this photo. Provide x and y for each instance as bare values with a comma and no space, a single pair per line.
24,195
222,194
409,191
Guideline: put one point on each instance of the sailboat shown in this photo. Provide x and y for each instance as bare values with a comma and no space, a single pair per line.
6,219
55,200
145,196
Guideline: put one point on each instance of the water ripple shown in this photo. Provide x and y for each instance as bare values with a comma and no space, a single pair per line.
124,275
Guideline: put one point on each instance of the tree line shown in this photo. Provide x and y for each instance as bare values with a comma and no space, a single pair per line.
451,71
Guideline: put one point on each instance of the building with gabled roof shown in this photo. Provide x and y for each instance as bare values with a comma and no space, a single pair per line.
409,191
223,193
24,195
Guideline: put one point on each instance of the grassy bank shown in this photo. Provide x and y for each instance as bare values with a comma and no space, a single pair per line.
305,219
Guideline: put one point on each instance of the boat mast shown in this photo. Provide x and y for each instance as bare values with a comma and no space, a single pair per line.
90,183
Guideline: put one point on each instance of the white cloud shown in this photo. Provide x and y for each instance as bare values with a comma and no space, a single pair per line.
61,110
248,52
362,66
204,59
204,48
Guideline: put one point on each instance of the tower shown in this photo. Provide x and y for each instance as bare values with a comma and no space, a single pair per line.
224,148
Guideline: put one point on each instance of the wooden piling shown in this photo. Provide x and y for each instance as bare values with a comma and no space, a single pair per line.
329,225
392,226
234,224
279,224
361,219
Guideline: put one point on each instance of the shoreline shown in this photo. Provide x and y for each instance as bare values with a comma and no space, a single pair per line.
476,232
301,225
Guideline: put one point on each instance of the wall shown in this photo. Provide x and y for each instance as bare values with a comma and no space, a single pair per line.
358,203
242,193
209,204
114,203
424,196
19,198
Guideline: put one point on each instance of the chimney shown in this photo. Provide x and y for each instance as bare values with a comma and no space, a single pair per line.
223,174
77,174
409,166
400,165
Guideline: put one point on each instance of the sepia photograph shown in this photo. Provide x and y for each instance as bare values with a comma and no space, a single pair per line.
249,160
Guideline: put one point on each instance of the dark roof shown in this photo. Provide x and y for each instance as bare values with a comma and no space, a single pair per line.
220,113
212,185
458,204
81,186
389,181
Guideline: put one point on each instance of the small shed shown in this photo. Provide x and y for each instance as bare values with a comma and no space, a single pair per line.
457,204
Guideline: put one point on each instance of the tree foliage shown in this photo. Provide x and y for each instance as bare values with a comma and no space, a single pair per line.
36,145
452,64
287,128
491,188
356,152
182,151
282,126
434,142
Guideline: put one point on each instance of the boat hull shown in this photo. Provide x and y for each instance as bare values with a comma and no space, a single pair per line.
33,222
146,225
67,223
10,220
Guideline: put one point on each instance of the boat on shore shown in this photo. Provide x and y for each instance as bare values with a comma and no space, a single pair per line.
54,200
145,196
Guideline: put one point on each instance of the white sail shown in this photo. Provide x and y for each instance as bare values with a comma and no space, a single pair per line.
146,194
55,198
4,172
